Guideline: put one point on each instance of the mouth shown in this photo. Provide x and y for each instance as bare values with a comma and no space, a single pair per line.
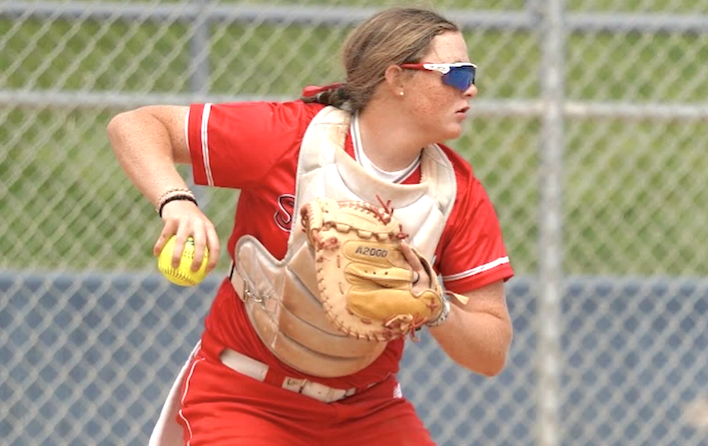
462,112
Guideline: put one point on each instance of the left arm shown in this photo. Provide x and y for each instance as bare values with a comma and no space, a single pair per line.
477,335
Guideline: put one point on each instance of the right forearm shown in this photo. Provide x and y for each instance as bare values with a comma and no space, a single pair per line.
144,149
148,142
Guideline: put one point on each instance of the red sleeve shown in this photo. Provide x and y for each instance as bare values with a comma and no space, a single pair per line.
472,252
234,145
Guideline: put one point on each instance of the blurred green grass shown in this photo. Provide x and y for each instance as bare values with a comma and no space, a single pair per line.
632,189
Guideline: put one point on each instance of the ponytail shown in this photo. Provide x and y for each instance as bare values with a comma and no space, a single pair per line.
335,95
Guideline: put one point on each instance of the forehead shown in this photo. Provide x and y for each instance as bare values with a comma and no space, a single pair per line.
448,47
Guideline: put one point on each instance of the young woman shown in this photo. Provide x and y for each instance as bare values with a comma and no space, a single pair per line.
270,368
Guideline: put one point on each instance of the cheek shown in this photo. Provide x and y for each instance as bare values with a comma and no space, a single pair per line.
436,96
431,104
434,114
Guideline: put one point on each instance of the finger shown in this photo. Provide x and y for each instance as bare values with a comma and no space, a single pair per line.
411,258
167,231
180,241
419,276
199,247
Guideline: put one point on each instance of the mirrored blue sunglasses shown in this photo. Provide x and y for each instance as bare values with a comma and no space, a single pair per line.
459,75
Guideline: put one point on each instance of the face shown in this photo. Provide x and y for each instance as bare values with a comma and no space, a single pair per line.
438,109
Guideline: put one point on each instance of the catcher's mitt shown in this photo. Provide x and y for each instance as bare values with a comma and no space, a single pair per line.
364,279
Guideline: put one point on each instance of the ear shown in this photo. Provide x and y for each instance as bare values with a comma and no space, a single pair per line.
394,79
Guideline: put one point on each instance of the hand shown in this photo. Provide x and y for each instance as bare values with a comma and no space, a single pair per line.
185,219
423,279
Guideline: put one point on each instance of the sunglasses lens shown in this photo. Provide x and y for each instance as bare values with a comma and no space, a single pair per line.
460,77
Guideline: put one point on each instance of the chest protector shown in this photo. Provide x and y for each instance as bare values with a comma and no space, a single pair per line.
281,296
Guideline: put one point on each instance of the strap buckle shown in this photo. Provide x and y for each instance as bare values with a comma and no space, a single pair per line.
316,390
241,286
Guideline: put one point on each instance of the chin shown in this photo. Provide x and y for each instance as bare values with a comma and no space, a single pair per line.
452,132
443,131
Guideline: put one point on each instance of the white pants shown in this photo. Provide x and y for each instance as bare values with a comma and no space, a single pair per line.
167,432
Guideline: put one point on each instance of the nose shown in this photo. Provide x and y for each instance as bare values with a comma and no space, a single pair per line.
471,92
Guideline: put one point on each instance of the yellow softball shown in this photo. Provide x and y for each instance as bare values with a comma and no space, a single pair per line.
183,274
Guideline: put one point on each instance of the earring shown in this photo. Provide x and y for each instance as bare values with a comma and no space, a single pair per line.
401,93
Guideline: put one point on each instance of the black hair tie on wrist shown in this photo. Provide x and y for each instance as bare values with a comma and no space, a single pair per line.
180,197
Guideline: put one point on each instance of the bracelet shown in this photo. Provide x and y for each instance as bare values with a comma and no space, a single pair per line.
170,193
443,316
179,197
173,190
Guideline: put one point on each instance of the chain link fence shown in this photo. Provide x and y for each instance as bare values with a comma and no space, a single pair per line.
589,133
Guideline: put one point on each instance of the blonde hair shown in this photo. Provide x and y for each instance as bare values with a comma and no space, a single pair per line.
391,37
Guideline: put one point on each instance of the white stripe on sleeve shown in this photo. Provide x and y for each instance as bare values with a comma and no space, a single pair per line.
205,144
477,270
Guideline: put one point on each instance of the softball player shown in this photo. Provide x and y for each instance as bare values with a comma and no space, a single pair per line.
279,374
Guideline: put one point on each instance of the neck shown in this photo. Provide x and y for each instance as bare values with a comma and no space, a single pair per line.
387,138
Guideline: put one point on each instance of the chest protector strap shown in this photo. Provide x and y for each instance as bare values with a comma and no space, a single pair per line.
281,296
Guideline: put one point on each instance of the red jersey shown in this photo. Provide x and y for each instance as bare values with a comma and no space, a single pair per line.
254,147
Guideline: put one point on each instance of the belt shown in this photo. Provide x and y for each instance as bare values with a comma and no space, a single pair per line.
261,372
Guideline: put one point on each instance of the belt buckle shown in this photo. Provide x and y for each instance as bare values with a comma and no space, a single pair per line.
315,390
294,384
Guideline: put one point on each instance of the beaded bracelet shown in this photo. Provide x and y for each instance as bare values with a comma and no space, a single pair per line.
172,192
174,189
178,197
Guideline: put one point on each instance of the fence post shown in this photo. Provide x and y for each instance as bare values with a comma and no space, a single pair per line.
550,222
199,51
